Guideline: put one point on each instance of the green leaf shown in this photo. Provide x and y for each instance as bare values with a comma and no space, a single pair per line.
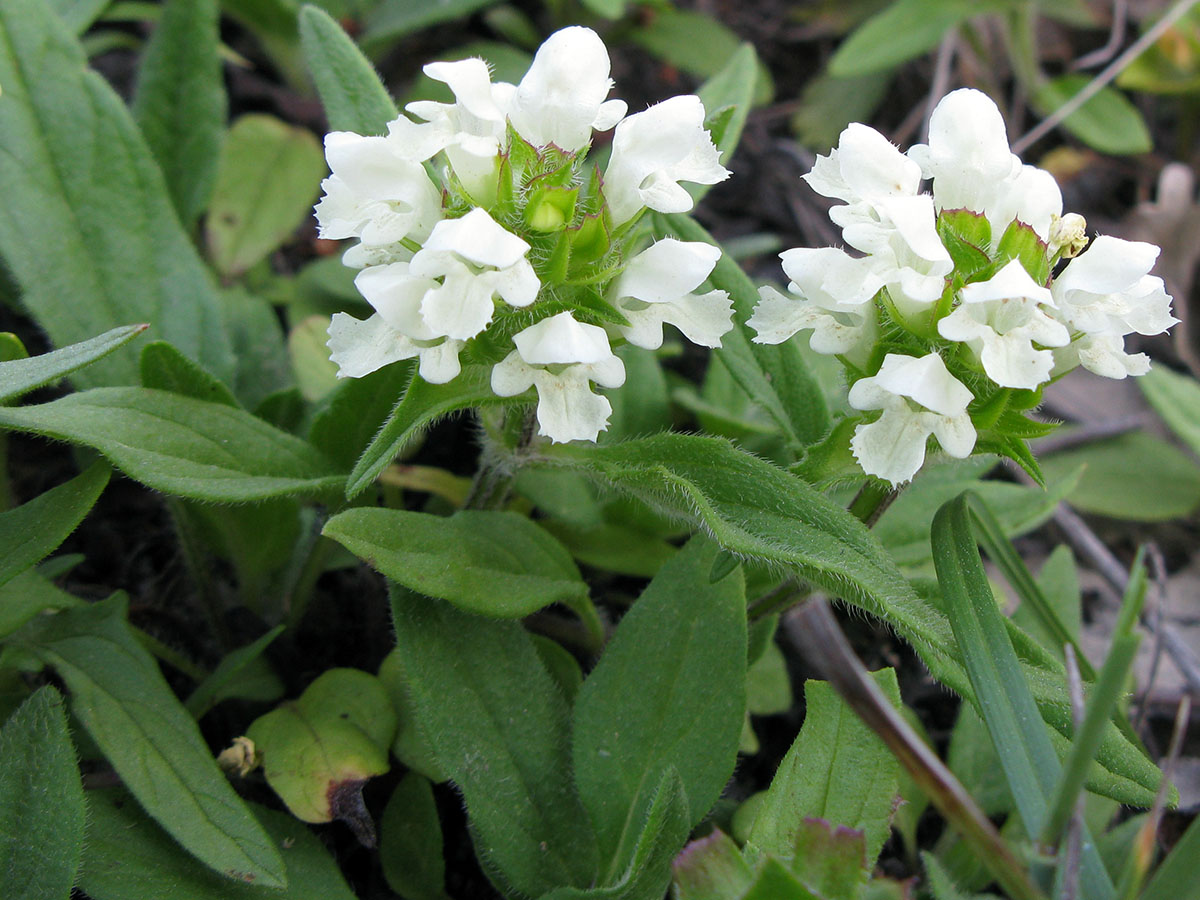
410,841
422,404
1005,701
390,20
614,548
42,815
774,376
128,857
837,770
775,882
498,725
669,692
711,868
663,833
733,85
606,9
350,415
758,511
87,227
180,104
829,104
120,697
1176,398
268,177
768,686
317,749
25,596
78,15
904,527
20,376
182,446
702,46
222,682
642,406
351,92
493,563
903,30
166,369
1176,877
263,367
1167,481
34,529
1107,122
1020,241
832,861
411,745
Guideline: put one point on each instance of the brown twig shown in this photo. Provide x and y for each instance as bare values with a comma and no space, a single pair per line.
816,632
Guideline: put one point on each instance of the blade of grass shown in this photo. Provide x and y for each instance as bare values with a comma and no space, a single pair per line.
814,628
1005,556
1100,706
1005,702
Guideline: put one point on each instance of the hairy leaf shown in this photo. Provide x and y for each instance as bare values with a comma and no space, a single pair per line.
351,92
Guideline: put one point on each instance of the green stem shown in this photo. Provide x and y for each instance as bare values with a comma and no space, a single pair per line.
171,656
873,500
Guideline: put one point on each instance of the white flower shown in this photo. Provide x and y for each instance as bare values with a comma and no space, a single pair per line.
901,237
359,347
376,192
654,150
834,291
864,167
919,397
471,131
1001,319
972,167
884,215
560,357
477,261
657,286
561,98
1106,293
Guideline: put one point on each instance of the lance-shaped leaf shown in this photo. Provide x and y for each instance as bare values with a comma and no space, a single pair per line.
494,563
20,376
87,226
663,830
733,88
755,509
837,770
1006,704
120,697
351,92
180,101
180,445
669,691
42,813
410,841
33,530
128,857
498,725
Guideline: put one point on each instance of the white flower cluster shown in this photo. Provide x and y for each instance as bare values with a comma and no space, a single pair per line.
511,230
954,301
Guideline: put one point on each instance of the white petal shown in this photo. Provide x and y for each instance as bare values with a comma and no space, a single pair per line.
567,409
1109,265
439,363
703,319
777,317
360,347
893,447
667,270
460,307
512,375
653,149
924,379
476,237
518,285
471,82
1031,196
1011,281
396,295
955,434
830,277
1105,355
864,166
561,95
560,339
1010,360
610,113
